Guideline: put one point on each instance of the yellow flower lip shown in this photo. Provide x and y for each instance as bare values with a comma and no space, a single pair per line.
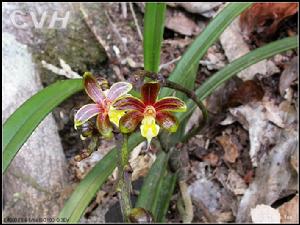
149,128
149,111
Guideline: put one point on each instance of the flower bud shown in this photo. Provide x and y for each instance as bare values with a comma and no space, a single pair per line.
86,130
140,215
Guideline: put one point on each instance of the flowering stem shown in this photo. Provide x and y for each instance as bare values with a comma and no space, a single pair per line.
190,94
124,179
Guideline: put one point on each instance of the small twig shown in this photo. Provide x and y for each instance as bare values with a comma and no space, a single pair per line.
65,69
116,31
165,65
135,21
124,9
186,198
180,208
94,32
118,73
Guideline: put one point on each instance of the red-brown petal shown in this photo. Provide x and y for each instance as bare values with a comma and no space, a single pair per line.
92,88
172,104
129,103
129,121
104,126
167,121
149,92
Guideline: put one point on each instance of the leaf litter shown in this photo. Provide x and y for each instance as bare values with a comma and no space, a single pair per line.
248,155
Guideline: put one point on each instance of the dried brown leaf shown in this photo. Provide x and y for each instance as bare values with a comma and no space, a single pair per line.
181,23
288,76
259,16
262,133
231,147
272,176
247,92
211,158
235,46
235,183
249,176
289,211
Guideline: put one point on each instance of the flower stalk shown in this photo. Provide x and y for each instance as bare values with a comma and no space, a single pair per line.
124,179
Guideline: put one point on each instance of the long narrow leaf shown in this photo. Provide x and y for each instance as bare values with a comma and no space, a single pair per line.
19,126
190,84
230,70
165,191
199,47
206,89
73,208
153,34
238,65
88,187
185,74
149,189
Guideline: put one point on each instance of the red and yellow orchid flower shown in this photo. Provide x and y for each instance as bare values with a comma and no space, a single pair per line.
102,106
148,111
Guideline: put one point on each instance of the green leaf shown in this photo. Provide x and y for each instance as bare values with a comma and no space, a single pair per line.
199,47
151,183
153,34
238,65
88,187
19,126
149,189
190,84
165,191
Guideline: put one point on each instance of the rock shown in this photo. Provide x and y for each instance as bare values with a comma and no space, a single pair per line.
206,191
235,46
206,9
181,23
97,216
273,176
75,44
231,147
265,214
36,176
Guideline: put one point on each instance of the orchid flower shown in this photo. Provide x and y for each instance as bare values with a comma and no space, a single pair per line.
102,106
148,111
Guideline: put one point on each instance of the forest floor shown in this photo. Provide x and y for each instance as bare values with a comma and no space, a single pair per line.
245,163
253,115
